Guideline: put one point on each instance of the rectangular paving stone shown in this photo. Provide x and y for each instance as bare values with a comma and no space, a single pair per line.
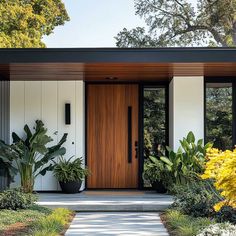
122,223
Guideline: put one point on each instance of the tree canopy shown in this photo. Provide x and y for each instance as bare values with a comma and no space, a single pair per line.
181,23
25,22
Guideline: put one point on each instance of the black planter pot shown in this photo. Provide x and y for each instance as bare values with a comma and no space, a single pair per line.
159,187
71,186
4,180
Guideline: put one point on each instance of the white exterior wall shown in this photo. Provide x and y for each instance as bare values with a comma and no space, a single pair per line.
45,100
186,108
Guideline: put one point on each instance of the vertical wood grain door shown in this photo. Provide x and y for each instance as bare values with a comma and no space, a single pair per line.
112,135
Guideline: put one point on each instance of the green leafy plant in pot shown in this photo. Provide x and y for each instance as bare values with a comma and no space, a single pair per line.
70,174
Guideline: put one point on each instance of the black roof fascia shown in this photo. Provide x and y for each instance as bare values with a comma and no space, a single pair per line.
118,55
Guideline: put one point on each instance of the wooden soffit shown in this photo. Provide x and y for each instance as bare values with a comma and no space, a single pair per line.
120,71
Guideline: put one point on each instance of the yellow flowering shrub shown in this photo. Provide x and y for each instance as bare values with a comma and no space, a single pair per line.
221,167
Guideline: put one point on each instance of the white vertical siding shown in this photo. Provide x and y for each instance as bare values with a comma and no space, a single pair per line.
49,117
66,94
46,100
186,109
33,111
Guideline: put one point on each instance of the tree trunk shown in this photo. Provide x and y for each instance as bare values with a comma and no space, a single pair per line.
27,179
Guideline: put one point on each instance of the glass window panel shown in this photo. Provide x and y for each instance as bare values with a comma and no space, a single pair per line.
154,111
219,115
154,121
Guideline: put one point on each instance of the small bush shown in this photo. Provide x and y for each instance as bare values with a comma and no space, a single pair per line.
14,199
223,229
196,199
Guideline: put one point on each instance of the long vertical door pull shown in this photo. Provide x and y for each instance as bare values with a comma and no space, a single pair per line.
129,134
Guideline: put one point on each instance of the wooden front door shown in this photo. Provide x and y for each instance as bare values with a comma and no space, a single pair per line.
112,135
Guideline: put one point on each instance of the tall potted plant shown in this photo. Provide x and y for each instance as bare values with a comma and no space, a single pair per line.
31,154
70,174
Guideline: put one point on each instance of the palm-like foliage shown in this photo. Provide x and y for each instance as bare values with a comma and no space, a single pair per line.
31,155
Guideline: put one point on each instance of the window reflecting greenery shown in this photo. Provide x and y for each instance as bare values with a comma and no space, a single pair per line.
219,114
154,111
154,121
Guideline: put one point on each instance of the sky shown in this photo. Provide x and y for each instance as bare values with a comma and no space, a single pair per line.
94,23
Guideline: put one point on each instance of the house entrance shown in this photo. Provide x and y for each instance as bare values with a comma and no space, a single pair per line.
112,136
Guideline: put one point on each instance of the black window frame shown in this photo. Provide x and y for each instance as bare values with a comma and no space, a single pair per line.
223,79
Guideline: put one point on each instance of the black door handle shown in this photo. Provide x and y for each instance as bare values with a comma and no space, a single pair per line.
129,134
136,149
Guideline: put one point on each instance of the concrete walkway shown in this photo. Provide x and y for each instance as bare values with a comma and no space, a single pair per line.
107,201
122,223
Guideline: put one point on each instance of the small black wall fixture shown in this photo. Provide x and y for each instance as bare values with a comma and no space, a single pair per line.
67,114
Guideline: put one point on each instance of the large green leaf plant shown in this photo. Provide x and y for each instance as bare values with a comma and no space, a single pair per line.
188,161
31,154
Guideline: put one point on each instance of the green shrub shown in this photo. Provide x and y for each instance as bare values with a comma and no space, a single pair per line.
14,199
196,199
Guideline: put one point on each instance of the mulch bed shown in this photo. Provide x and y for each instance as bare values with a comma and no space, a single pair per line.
22,229
16,229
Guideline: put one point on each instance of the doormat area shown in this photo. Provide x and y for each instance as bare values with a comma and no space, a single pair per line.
113,192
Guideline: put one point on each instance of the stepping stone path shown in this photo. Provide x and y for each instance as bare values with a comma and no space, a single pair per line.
117,223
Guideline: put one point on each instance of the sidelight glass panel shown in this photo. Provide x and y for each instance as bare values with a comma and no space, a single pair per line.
154,121
219,114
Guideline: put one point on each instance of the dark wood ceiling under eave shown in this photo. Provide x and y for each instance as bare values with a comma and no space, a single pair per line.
121,71
156,71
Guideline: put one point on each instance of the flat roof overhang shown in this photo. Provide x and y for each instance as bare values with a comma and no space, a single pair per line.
129,64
